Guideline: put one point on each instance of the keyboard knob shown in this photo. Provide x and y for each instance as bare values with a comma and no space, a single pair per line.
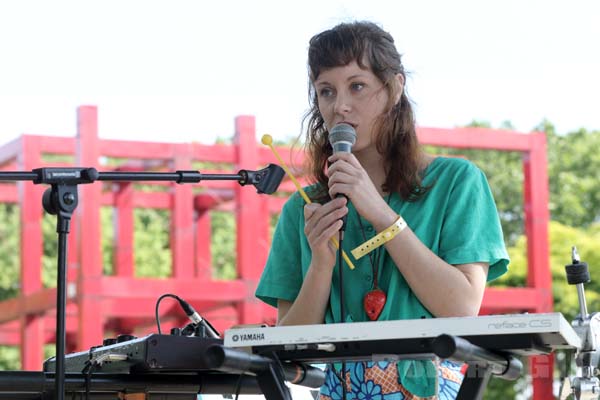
109,341
124,338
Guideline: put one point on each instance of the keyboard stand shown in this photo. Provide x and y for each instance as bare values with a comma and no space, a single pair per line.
482,363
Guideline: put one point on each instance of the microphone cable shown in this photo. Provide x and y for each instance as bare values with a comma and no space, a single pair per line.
342,311
156,308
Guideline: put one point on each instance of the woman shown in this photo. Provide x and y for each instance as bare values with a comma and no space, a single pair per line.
435,265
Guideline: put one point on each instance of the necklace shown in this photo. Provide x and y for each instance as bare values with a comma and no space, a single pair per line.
374,299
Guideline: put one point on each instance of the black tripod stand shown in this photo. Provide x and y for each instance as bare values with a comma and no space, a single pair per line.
61,199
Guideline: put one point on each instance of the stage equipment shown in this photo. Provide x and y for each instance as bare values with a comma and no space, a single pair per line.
488,344
585,385
61,199
176,355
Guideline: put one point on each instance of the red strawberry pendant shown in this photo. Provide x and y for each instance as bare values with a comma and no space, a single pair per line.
373,303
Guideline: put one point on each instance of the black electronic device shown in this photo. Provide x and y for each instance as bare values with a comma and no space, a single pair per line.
164,356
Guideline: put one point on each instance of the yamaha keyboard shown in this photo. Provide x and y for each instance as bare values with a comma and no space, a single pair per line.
520,334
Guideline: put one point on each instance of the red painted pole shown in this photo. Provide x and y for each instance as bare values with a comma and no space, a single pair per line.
91,319
182,218
252,226
536,230
30,199
203,241
123,228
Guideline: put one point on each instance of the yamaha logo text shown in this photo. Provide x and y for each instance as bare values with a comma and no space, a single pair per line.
244,337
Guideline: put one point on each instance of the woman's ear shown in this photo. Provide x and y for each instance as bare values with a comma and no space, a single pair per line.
400,83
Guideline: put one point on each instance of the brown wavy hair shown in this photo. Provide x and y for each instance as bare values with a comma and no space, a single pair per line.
396,141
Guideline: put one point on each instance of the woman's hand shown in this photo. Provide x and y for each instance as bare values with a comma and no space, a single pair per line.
322,222
348,177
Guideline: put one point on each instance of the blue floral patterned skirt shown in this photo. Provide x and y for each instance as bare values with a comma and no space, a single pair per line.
379,381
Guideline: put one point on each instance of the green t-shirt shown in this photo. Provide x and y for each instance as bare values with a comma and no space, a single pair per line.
456,219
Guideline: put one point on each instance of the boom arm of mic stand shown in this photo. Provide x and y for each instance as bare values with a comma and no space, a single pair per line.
265,181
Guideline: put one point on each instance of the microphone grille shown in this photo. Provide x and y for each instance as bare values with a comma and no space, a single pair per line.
342,133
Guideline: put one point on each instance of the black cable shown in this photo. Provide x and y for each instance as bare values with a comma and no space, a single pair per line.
342,311
280,365
87,371
88,383
341,274
238,384
158,303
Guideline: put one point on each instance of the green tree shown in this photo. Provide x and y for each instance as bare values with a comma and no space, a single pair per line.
152,252
573,162
9,278
222,245
561,239
9,250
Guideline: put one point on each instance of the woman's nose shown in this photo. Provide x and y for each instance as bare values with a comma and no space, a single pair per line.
342,104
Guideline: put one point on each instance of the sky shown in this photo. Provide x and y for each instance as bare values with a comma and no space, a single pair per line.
181,70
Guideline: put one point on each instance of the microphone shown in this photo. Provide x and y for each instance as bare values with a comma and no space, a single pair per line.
342,137
198,320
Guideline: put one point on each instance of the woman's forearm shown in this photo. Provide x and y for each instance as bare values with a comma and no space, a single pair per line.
311,303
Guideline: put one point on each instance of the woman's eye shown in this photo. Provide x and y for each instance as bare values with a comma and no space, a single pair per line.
357,86
325,92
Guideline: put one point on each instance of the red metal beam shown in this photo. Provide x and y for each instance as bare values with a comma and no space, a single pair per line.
10,332
191,288
182,218
55,144
10,151
8,193
476,138
537,218
36,302
252,221
87,153
123,228
31,254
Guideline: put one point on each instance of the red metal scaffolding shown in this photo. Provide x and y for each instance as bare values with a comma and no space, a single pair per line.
123,303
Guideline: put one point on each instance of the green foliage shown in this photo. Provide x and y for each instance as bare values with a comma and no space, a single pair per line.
10,359
152,243
50,251
107,236
574,160
562,238
500,389
9,251
223,245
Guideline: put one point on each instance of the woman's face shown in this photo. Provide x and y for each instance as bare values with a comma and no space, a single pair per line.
354,96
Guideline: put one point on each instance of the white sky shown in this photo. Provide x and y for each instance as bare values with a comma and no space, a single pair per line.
180,70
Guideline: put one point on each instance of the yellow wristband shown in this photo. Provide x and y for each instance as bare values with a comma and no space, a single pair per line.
382,237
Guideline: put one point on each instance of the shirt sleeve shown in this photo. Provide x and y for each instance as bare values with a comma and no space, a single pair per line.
471,231
282,276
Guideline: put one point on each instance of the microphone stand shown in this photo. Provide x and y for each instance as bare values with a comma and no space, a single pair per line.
61,199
